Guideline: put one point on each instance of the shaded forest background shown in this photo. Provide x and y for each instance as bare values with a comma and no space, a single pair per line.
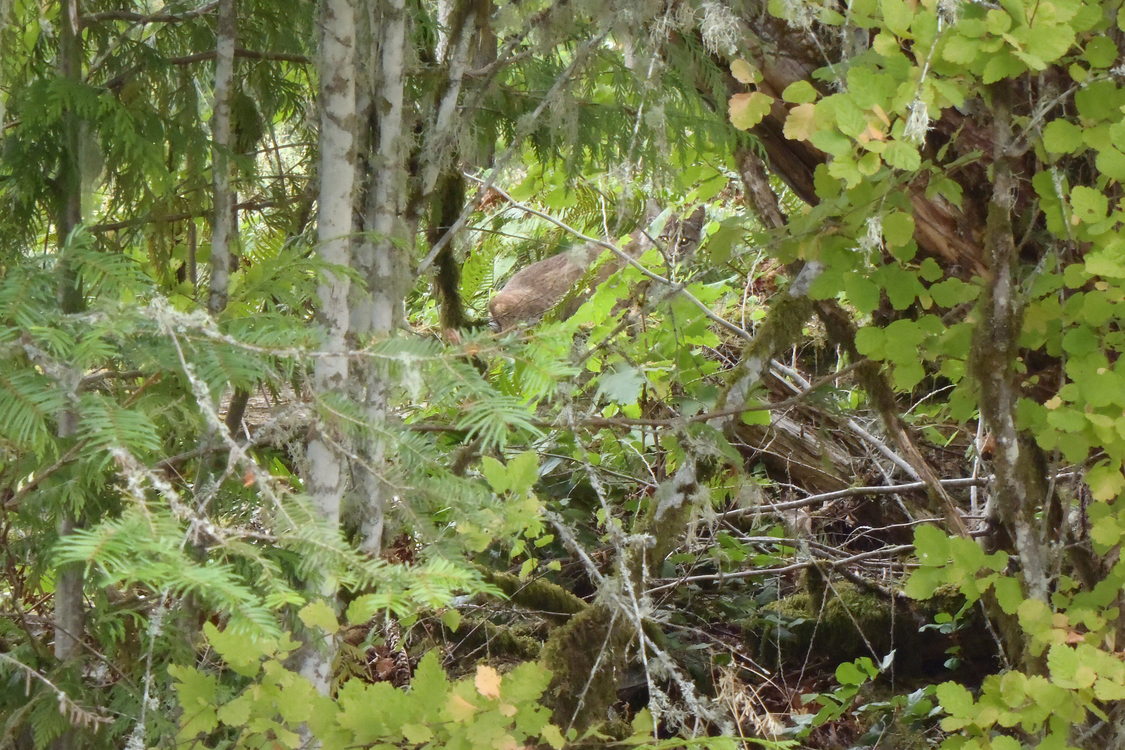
486,374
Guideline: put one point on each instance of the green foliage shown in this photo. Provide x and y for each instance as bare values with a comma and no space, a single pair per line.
113,419
488,710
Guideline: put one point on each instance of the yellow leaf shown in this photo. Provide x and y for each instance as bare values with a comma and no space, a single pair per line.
747,110
881,115
744,72
460,709
507,709
799,125
872,133
487,681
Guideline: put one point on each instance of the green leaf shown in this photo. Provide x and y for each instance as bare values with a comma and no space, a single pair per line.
906,375
960,50
523,472
1062,661
1003,742
869,341
952,292
1108,262
898,228
923,583
861,292
799,92
1009,594
552,736
848,673
1002,65
897,16
1049,42
930,270
242,653
955,699
1089,205
319,615
744,72
623,385
417,734
932,545
451,619
1063,137
902,155
429,684
236,713
197,693
1105,481
496,474
1111,162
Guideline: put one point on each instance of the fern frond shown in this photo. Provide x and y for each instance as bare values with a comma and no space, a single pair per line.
29,403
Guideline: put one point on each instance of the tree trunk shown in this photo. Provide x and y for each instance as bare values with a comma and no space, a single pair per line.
380,252
69,614
223,230
327,471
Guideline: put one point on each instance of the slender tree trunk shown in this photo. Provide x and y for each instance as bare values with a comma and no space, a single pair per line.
1020,484
380,254
327,460
68,586
5,8
69,613
223,230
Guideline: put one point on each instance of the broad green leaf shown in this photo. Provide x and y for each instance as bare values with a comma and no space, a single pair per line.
897,15
451,619
1009,593
848,674
1062,137
318,614
932,544
623,385
902,155
898,228
799,92
242,653
496,474
1105,481
1089,205
861,291
960,50
955,699
523,472
1111,162
1101,52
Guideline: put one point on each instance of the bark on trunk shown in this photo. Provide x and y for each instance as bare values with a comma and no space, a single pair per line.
327,461
223,231
380,254
69,614
1020,485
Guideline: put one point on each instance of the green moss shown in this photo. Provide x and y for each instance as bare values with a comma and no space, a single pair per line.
587,657
549,599
851,623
